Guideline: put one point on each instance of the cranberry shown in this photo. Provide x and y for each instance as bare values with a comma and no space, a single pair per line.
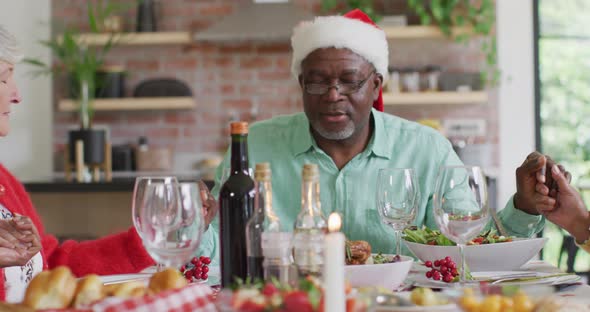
436,276
188,275
437,263
428,274
447,279
206,260
194,260
205,269
204,276
428,264
443,269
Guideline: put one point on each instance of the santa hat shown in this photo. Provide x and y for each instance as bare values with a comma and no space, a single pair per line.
354,31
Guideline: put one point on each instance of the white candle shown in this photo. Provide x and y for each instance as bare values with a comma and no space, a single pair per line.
335,297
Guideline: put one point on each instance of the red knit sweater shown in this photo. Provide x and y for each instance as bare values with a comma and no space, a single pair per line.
115,254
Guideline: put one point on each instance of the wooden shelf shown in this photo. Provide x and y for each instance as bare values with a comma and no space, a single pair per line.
421,32
435,98
147,38
132,104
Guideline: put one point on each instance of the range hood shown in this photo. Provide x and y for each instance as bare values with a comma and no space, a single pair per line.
261,20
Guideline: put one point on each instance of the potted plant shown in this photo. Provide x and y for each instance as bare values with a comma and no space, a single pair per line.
80,64
480,16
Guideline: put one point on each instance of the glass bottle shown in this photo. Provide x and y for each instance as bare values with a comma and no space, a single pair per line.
236,203
255,225
310,225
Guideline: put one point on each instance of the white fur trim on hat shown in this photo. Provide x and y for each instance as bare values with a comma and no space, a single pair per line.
339,32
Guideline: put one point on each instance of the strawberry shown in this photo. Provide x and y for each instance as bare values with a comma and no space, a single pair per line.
269,290
251,306
297,301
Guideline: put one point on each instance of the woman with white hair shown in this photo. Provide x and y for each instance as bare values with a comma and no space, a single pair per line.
25,248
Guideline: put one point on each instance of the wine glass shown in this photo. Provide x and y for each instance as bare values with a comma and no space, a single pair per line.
460,205
398,196
169,217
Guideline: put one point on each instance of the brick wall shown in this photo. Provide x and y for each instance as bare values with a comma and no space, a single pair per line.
231,79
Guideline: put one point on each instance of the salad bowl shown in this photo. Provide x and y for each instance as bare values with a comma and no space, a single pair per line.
501,254
386,275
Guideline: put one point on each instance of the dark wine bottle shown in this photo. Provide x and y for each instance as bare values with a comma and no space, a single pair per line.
236,204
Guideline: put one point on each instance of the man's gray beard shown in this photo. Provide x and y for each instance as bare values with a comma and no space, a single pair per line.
334,135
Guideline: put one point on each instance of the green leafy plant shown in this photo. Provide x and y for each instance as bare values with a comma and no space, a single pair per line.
478,15
78,61
364,5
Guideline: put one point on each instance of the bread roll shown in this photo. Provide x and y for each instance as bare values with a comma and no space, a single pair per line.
10,307
89,290
358,252
126,290
167,279
51,289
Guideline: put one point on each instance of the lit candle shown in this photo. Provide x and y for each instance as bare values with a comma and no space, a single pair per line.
335,297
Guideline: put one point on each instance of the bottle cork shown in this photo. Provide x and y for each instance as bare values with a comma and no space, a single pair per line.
239,127
310,172
262,172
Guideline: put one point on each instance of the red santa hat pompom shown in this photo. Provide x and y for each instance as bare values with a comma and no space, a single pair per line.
354,31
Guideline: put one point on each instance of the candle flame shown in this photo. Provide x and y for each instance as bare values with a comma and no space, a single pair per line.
334,222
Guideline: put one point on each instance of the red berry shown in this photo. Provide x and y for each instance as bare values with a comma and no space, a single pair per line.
455,272
428,264
447,279
443,269
197,271
194,260
204,276
443,262
188,275
198,264
205,269
448,259
201,258
436,276
206,260
451,265
429,274
437,263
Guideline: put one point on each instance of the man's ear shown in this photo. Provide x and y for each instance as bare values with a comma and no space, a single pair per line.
377,84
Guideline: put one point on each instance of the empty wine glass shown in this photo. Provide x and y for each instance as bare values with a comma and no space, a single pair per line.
460,205
168,216
398,196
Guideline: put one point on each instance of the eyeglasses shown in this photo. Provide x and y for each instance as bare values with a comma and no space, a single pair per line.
342,88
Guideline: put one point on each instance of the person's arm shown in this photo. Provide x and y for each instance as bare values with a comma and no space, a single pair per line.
119,253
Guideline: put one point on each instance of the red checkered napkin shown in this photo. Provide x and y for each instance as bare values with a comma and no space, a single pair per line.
194,297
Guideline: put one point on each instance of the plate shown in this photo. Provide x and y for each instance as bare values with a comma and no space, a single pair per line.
540,278
417,308
507,256
123,278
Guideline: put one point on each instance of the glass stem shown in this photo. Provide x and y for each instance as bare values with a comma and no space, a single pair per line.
462,277
398,242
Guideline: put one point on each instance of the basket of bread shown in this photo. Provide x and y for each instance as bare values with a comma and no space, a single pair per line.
60,290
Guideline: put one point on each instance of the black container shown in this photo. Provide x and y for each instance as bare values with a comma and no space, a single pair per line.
146,16
110,83
94,144
123,158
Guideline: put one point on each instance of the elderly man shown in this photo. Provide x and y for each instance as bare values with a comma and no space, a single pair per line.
340,63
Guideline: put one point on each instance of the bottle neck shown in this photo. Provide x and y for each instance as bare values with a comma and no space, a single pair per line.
239,154
310,198
264,206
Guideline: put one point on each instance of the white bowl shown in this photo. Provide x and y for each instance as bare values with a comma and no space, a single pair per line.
387,275
507,256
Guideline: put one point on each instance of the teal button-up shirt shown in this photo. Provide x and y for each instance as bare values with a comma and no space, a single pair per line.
287,144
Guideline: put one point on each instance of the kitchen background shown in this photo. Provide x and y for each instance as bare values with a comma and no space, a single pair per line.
250,81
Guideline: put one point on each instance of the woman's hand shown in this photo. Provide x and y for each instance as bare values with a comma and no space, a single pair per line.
19,242
209,204
569,211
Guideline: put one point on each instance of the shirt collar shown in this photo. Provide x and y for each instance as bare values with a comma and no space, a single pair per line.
377,145
303,141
